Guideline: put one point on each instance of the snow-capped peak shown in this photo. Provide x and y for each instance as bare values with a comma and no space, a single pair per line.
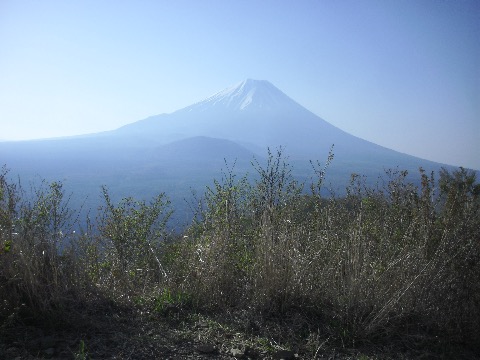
248,95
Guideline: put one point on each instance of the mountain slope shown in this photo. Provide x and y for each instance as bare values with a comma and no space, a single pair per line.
256,114
253,112
187,149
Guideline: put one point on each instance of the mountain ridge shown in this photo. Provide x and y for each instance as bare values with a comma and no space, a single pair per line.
255,112
186,150
251,112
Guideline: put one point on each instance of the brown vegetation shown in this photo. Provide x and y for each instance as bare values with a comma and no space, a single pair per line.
392,267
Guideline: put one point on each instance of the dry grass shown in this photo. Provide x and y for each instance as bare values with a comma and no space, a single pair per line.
392,263
382,262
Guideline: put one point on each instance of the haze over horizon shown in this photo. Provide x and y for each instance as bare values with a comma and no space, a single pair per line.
404,75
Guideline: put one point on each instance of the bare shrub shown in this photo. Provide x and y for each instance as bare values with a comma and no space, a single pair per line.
36,269
372,263
384,261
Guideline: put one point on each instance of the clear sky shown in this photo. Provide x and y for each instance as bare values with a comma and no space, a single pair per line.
404,74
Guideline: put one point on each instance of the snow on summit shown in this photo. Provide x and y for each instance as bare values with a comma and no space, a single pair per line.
248,95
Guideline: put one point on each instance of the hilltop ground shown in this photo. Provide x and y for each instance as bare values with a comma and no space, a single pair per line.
103,330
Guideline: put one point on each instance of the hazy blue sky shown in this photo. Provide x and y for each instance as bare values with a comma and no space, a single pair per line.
403,74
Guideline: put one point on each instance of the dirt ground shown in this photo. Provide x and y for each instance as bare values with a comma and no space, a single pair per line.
107,331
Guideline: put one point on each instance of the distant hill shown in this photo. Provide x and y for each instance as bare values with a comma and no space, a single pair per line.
187,149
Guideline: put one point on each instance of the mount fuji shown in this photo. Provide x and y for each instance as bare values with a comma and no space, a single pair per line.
187,149
256,115
253,113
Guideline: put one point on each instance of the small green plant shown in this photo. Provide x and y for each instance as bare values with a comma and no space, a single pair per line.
167,299
131,233
265,344
82,352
